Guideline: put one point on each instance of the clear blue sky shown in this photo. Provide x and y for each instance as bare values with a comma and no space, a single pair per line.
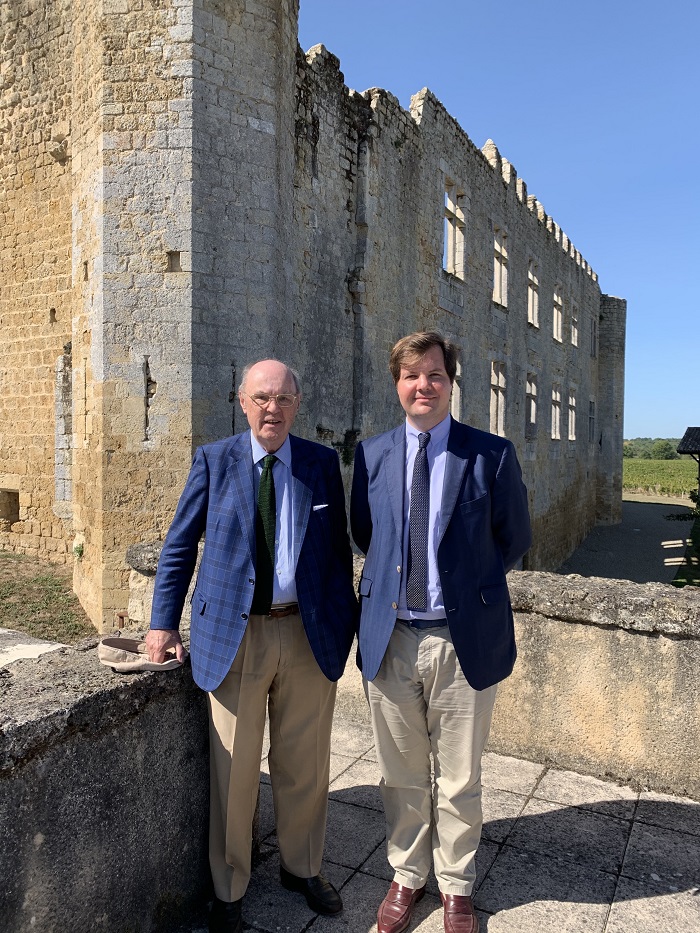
597,105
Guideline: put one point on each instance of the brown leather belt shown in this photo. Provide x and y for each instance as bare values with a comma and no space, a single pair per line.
279,612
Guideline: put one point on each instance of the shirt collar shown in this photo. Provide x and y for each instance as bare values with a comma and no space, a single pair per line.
438,434
259,453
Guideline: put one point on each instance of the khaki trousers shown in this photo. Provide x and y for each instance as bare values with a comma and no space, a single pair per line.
274,667
423,709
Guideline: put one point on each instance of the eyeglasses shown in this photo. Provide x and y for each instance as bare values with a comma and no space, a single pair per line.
262,400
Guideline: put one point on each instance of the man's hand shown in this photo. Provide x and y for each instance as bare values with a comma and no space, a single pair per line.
159,640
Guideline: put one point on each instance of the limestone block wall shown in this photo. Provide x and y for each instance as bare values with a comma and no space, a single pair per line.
390,206
611,388
244,62
328,235
35,278
131,259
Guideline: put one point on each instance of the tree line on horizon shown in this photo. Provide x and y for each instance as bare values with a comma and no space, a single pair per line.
653,448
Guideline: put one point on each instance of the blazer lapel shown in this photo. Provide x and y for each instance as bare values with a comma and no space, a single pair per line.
455,465
240,474
303,477
395,470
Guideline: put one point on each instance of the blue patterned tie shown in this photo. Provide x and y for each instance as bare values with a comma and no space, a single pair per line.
419,513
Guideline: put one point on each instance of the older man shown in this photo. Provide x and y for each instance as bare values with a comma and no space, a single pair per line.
273,619
441,512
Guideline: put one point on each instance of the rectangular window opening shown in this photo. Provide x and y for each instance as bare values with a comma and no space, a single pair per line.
174,261
500,268
572,415
454,231
591,422
531,406
558,315
533,294
574,325
9,508
456,399
498,398
556,412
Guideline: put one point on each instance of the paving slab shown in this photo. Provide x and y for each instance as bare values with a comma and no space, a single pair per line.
678,813
352,738
513,774
501,809
649,908
573,834
663,856
590,793
353,833
359,784
362,896
269,907
527,891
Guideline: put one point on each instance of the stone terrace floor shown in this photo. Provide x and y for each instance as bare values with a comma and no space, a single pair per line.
560,852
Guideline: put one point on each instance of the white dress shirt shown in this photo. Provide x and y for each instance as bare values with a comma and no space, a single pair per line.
437,458
284,587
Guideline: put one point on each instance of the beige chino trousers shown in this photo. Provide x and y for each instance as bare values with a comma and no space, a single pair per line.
274,669
424,712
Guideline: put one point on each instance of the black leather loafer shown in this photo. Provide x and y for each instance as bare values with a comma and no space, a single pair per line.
225,917
320,894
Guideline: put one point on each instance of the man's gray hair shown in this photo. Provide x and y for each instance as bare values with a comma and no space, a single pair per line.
271,359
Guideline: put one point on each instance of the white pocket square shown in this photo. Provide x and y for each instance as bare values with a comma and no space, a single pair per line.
317,507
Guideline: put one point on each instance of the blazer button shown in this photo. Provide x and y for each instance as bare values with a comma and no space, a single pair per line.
394,605
398,569
251,579
244,615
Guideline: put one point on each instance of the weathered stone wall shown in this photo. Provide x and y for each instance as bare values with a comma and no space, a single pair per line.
131,237
104,789
611,391
36,44
606,680
220,197
243,163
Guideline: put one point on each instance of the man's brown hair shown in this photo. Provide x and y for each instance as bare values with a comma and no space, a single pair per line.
412,347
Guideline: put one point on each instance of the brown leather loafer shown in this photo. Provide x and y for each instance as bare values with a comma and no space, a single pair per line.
394,913
459,914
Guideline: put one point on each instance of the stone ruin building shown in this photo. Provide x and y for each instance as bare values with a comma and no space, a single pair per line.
183,191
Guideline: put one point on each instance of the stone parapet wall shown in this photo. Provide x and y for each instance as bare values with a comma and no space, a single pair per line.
606,680
104,789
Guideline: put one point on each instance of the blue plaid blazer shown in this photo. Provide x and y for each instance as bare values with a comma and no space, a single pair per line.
484,532
218,501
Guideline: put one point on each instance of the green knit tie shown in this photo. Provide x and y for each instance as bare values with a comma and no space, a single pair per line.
265,539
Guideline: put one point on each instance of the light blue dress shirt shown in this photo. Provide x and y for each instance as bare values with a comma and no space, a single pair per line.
284,587
437,458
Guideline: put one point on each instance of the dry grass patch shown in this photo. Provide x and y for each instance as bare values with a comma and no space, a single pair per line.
36,598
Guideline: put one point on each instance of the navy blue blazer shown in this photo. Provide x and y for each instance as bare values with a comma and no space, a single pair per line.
484,532
218,501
